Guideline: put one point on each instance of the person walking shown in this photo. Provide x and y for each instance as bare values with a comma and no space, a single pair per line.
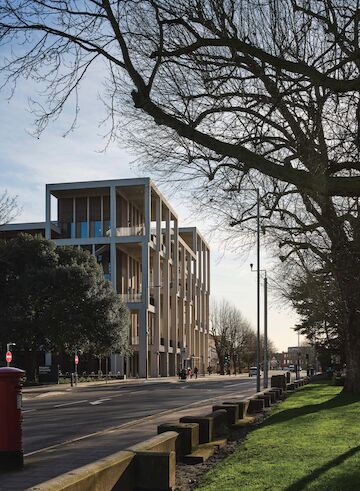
196,371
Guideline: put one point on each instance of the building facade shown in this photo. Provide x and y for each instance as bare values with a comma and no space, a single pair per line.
161,271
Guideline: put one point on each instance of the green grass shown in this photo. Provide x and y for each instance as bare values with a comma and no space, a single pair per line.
310,441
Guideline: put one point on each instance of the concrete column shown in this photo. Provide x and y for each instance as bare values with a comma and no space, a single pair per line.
117,363
48,214
128,367
113,264
158,223
143,342
158,287
166,319
113,211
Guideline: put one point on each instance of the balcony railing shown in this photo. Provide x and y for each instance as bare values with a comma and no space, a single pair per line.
130,297
129,231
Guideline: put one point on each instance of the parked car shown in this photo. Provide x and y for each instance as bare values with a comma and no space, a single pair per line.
291,368
253,371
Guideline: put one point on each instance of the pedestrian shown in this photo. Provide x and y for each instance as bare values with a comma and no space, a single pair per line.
209,370
196,371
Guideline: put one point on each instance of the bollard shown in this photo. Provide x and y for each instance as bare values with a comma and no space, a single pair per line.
11,451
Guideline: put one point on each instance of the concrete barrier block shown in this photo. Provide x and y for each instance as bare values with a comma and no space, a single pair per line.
273,396
242,405
290,387
165,442
256,405
155,471
205,426
232,411
265,397
220,424
279,381
155,462
277,391
188,438
115,472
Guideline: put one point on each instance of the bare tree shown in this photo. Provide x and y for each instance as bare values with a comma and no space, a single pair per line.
231,95
235,340
9,208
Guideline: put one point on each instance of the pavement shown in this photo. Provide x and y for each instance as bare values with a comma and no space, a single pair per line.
67,427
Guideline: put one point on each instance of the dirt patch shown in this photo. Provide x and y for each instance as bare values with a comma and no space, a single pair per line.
188,477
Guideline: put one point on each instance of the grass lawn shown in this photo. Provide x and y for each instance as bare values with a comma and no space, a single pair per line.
309,441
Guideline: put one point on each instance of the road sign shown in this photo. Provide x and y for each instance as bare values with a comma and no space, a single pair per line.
8,357
76,360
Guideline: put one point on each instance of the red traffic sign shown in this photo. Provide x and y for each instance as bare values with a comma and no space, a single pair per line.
8,356
76,360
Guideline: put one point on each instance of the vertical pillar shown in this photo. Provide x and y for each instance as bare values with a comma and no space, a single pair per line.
143,342
113,263
145,265
113,211
48,214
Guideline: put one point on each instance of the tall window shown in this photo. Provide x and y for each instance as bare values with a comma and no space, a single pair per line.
96,229
83,230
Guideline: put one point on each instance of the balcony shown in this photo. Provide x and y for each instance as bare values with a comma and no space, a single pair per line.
130,231
130,297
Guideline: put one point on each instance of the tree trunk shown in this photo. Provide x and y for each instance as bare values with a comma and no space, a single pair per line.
347,272
352,349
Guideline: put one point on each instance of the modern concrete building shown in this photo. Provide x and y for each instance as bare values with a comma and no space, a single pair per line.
161,271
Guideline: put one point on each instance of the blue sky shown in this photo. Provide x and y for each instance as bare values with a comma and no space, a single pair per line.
28,163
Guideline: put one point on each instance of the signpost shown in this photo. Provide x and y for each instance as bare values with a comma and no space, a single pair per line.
8,353
76,361
8,357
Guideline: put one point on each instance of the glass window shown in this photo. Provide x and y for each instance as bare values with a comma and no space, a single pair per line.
72,230
97,229
83,230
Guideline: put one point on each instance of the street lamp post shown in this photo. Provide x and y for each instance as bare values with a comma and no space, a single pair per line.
258,291
266,357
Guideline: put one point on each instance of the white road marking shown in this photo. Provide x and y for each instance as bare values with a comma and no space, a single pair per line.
70,403
28,410
99,401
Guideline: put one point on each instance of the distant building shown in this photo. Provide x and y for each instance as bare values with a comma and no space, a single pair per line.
161,271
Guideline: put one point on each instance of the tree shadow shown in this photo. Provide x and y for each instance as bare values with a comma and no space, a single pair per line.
304,481
342,399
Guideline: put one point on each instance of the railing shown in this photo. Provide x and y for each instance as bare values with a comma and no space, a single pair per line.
130,297
129,231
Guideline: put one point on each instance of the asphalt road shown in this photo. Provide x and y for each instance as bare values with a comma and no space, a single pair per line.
52,418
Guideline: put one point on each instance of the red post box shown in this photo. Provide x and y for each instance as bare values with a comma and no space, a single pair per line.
11,451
